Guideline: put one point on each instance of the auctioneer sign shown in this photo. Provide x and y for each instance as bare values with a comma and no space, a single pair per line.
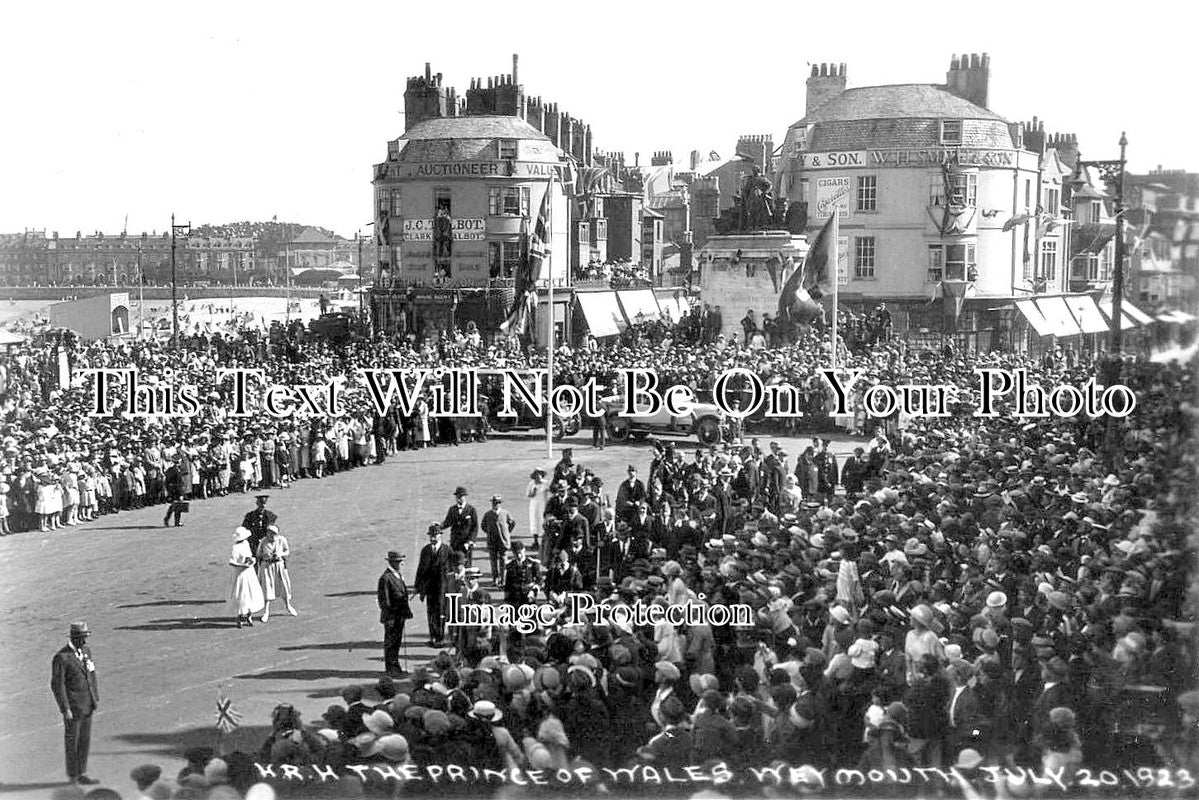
463,230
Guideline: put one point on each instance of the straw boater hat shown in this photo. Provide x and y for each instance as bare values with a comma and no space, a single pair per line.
241,534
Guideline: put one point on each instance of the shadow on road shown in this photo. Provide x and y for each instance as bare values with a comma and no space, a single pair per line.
182,624
126,528
371,592
247,738
173,603
309,674
350,646
62,788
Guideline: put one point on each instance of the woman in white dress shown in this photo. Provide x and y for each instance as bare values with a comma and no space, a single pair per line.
538,493
421,422
273,551
245,593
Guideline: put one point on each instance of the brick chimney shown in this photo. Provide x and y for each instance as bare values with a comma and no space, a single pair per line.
826,82
968,77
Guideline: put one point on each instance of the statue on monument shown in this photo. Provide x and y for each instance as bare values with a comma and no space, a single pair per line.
757,202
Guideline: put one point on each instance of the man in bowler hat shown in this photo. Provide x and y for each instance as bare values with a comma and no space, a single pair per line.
73,683
430,582
463,524
393,612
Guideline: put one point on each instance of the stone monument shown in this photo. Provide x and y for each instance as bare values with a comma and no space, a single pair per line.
744,264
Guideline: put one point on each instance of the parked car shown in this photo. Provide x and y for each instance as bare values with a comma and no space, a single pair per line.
704,422
526,419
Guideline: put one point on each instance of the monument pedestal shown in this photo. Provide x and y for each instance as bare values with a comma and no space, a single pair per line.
743,271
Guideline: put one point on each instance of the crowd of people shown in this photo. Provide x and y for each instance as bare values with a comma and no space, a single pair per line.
961,592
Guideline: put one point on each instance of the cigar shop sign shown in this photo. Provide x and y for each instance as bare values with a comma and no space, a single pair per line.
910,157
478,169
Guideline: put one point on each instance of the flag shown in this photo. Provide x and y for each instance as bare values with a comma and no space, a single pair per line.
803,287
536,251
227,717
1019,219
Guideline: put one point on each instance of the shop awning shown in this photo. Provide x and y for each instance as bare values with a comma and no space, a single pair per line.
675,308
1087,313
602,313
1035,318
1132,316
1057,314
639,305
1179,317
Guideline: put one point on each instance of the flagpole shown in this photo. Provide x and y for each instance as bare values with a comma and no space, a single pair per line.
549,345
836,270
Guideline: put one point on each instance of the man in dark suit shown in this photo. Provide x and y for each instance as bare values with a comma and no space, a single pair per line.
520,574
624,551
73,683
576,528
394,611
463,524
826,470
963,730
630,491
258,520
853,477
639,521
430,582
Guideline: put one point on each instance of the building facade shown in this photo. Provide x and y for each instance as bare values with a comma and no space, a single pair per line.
937,196
459,199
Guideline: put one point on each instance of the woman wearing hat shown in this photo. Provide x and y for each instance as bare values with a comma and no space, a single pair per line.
245,593
538,493
922,640
273,551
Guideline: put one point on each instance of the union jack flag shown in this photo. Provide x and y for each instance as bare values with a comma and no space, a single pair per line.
227,717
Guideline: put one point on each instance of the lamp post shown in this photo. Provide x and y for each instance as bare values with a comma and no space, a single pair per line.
1112,172
175,230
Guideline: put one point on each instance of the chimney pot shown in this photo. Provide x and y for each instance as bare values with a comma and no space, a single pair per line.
428,71
515,59
815,71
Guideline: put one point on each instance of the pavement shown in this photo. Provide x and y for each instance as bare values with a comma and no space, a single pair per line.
164,644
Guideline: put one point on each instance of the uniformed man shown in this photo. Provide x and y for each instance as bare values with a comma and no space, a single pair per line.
258,520
520,575
463,525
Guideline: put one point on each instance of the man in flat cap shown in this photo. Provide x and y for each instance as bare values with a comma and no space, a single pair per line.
73,683
394,611
258,520
463,524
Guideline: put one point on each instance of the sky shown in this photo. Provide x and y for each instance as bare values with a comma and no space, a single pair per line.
223,111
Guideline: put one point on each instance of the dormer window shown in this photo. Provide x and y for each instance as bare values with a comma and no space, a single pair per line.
507,149
951,131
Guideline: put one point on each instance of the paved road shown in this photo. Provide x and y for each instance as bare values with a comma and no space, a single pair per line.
162,640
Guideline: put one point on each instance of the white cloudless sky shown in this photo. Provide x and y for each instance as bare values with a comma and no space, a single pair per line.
224,111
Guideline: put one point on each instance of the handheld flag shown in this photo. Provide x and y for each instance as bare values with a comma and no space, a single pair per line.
803,287
227,717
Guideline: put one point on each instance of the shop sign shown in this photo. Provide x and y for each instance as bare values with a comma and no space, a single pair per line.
833,193
477,169
462,230
909,157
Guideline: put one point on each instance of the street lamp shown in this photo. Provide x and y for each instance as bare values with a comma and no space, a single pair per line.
184,230
1112,172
